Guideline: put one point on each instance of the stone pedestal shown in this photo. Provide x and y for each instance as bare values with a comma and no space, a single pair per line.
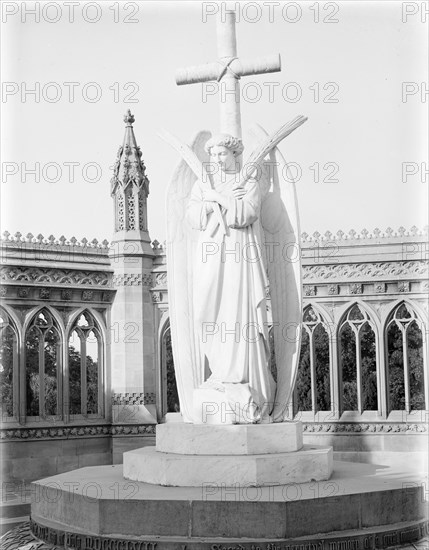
243,439
311,463
257,455
214,407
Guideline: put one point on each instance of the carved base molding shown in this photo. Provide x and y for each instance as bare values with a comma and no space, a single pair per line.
361,427
69,432
38,434
130,429
382,537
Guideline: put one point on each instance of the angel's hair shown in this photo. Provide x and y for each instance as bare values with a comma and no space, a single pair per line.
226,140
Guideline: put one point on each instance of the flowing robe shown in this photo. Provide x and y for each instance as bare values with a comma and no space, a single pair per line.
229,297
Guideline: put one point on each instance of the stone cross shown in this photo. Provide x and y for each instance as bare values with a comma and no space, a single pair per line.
227,71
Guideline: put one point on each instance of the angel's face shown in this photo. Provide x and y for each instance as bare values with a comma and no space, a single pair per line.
223,157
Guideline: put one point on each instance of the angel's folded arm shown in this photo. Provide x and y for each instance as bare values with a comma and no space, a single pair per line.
245,211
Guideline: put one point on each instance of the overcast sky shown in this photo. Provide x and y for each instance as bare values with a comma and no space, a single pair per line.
354,68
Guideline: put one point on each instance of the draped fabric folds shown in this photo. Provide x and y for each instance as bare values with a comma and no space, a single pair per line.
229,298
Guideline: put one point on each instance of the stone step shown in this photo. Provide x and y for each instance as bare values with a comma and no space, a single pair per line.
227,439
310,463
100,501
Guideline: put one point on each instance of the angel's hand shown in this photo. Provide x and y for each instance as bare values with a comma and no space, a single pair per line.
238,193
210,195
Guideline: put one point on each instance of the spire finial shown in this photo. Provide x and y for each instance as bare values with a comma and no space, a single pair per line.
129,118
129,183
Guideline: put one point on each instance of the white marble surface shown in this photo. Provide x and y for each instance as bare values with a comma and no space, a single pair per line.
212,407
217,300
238,439
151,466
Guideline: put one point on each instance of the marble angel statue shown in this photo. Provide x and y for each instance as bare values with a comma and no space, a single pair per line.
232,241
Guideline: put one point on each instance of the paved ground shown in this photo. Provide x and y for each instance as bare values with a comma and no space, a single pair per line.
21,538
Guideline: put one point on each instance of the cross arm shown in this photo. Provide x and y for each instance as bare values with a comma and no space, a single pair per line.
238,67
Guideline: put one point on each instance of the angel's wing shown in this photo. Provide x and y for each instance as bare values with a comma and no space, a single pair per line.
181,243
280,223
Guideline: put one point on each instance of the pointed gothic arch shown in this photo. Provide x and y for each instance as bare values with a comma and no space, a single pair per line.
84,371
9,366
406,377
43,365
313,389
30,315
169,395
358,375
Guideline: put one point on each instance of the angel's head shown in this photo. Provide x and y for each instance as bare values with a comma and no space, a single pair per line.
224,150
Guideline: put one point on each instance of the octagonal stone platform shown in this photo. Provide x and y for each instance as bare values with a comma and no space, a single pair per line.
362,507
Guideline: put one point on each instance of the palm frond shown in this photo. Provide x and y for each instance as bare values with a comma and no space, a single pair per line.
267,145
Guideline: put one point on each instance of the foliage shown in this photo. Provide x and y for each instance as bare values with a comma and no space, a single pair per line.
91,385
33,343
6,372
323,383
321,362
348,369
75,383
50,376
303,383
369,368
173,404
396,367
